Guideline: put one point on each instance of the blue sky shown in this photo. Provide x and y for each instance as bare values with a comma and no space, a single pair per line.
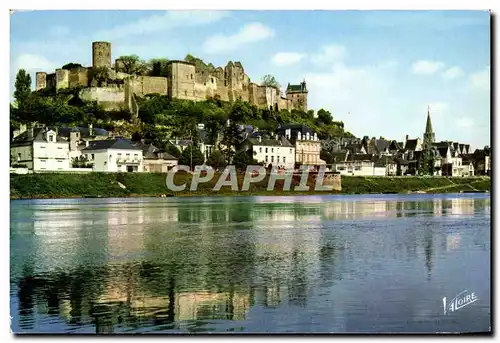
375,70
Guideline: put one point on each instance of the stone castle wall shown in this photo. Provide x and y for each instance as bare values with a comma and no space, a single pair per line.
111,97
230,83
78,77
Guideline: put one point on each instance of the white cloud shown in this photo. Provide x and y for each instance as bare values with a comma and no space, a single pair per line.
161,22
452,73
465,122
287,58
438,108
480,79
329,54
31,62
249,33
424,67
59,31
355,94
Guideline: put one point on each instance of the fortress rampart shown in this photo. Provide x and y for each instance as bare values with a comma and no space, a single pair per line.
184,81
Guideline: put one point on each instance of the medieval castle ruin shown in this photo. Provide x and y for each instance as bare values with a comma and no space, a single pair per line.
183,81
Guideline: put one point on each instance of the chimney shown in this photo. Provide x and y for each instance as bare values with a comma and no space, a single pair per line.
86,144
30,131
260,138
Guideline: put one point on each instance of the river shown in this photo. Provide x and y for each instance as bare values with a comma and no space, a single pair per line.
315,264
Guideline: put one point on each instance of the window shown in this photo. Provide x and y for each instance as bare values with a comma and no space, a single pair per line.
185,93
290,151
267,159
357,168
59,148
278,159
191,76
272,158
43,161
42,147
260,149
92,156
284,159
18,156
136,155
272,150
51,138
266,150
128,156
212,80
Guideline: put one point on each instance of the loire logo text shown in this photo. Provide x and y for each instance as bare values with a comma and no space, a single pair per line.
462,299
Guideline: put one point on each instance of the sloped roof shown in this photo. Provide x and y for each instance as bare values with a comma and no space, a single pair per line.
122,144
339,156
39,135
411,144
282,142
443,151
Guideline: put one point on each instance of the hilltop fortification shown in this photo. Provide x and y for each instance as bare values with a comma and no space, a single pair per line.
117,90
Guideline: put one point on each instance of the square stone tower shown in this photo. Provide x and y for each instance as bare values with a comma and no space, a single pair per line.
298,96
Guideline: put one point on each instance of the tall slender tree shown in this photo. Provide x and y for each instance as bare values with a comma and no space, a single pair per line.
22,87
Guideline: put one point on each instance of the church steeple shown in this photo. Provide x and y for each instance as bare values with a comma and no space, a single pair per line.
429,136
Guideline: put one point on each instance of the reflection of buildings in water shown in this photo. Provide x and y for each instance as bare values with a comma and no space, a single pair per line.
438,207
359,209
452,241
187,305
462,206
125,231
199,305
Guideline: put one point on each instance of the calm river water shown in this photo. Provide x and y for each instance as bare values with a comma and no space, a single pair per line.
250,264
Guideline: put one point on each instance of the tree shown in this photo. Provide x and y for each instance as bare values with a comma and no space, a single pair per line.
99,76
325,117
270,81
132,65
216,159
158,67
22,87
191,157
171,149
241,160
70,66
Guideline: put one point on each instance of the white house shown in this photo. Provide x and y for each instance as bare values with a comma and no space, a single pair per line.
156,160
40,149
276,152
114,155
360,165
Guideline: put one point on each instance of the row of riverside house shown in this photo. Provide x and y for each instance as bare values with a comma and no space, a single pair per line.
87,149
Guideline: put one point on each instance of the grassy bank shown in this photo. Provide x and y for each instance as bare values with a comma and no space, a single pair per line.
145,184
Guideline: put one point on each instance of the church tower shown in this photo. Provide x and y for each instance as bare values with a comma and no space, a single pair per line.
429,136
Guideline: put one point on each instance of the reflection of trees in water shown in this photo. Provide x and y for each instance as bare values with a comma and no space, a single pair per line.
109,295
297,286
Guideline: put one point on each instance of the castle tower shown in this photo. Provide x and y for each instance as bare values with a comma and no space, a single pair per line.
181,80
298,95
101,54
429,136
62,78
41,80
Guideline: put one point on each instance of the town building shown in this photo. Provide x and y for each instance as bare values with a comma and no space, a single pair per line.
277,152
40,150
156,160
114,155
306,142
